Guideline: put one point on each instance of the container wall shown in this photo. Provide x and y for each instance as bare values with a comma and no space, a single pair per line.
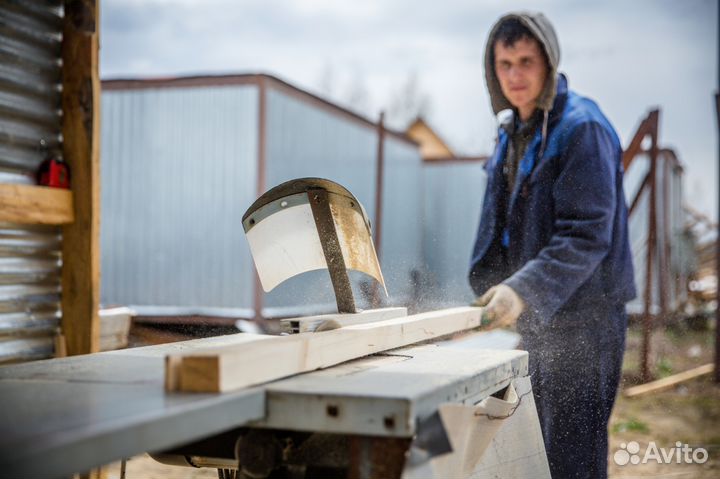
452,202
401,253
179,169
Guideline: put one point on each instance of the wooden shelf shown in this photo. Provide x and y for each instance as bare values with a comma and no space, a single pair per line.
38,205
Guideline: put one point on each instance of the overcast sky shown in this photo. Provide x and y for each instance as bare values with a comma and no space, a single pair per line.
630,56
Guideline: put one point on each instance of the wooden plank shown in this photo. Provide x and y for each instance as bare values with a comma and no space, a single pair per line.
664,383
228,368
173,362
309,324
115,328
35,205
81,142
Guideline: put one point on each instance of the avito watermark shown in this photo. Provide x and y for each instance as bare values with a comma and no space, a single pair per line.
680,454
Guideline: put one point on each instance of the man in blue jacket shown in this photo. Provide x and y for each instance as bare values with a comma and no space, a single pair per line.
552,253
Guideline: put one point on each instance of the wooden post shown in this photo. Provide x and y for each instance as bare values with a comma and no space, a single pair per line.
80,129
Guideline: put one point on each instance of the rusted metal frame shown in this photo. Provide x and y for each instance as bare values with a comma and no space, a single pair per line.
181,82
647,126
640,190
651,244
379,197
320,205
717,249
261,177
665,270
377,457
330,107
669,155
379,182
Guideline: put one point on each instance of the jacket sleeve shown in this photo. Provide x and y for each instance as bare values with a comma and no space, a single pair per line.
584,206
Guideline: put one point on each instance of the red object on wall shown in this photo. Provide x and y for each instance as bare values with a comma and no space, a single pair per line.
54,172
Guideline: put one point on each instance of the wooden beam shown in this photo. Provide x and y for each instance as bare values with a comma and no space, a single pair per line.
81,142
325,322
35,205
234,367
669,381
173,361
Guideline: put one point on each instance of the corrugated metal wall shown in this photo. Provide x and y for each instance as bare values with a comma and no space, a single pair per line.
679,246
638,223
401,253
669,245
453,199
30,77
179,169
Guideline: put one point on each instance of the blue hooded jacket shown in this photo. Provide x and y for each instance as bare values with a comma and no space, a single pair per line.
564,247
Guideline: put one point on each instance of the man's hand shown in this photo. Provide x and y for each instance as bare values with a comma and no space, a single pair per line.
502,305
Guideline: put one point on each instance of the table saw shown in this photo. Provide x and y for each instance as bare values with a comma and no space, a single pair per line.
68,415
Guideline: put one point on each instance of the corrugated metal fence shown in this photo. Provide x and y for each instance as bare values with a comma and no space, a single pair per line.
178,170
30,75
182,160
453,196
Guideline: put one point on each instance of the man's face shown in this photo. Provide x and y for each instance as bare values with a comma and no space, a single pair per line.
521,70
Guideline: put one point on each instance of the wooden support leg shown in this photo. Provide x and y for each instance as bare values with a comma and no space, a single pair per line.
99,473
377,457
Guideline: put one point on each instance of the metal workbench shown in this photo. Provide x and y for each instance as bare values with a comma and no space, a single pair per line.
68,415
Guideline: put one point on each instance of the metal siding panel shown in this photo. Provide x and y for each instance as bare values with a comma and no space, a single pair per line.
678,241
304,141
633,177
179,168
453,198
30,39
638,234
30,35
402,230
29,290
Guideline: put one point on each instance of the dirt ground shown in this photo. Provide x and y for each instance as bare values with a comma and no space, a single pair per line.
689,414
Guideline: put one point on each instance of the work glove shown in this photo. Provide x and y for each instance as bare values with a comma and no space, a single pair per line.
502,306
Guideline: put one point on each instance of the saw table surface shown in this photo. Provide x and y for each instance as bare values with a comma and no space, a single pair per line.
69,415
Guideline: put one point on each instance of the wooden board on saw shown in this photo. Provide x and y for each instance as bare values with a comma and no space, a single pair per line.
326,322
228,368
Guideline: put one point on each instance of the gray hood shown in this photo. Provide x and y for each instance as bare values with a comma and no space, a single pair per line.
545,34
